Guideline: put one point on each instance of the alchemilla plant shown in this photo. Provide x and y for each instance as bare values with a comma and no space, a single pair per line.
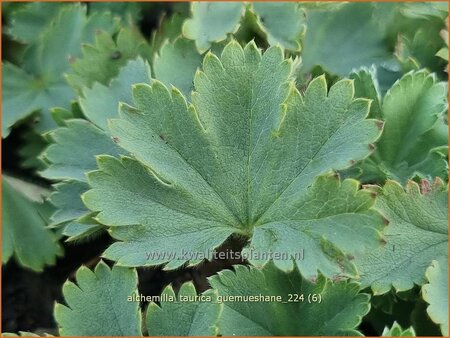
226,168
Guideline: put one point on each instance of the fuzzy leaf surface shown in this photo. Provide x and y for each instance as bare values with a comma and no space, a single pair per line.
413,127
211,22
339,313
436,293
183,317
197,171
97,304
417,235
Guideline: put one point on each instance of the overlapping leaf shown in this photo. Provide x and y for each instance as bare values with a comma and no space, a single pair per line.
104,303
327,41
339,311
30,21
182,315
102,62
417,235
280,23
239,160
397,331
414,140
436,293
39,85
181,55
98,304
211,22
24,231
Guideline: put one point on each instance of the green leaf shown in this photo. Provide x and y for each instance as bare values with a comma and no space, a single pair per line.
436,293
417,235
182,56
397,331
211,22
366,85
24,94
129,11
28,22
182,315
327,41
102,62
101,102
426,9
338,312
71,214
98,304
66,198
40,82
239,160
410,125
34,145
169,29
74,148
283,22
24,231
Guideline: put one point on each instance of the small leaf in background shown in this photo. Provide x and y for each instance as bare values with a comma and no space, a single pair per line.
397,331
181,55
283,22
337,313
211,22
102,62
416,235
332,38
30,21
39,81
435,292
24,228
101,102
188,317
74,149
97,305
414,140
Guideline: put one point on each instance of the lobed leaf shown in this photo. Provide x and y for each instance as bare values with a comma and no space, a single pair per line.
97,305
102,62
436,293
339,312
417,235
397,331
211,22
198,170
24,231
188,317
40,81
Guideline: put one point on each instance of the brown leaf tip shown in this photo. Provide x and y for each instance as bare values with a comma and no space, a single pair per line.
380,124
425,186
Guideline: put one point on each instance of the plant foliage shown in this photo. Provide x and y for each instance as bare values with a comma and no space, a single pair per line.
311,136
